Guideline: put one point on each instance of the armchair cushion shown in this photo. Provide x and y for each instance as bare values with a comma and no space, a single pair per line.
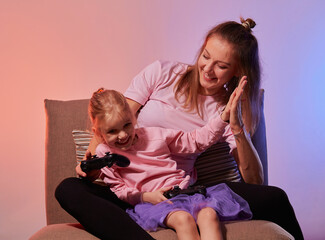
232,231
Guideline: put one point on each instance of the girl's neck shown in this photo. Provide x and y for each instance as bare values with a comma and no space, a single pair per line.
135,139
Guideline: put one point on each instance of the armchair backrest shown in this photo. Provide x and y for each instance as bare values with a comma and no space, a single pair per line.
60,156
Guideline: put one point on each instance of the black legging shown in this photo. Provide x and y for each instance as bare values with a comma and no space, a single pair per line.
98,210
103,214
271,204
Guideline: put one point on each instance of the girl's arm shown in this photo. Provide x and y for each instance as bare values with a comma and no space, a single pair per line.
113,177
127,193
196,141
246,156
125,190
116,183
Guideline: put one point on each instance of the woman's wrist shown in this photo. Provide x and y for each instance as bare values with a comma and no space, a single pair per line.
239,131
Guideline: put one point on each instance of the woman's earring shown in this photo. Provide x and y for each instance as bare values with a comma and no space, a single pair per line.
226,86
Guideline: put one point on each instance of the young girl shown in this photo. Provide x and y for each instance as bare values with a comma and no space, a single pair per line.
153,170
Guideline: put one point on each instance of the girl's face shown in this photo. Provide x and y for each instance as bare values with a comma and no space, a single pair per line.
217,65
118,131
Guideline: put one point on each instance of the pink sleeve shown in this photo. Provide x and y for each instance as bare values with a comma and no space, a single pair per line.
128,194
144,83
116,183
198,140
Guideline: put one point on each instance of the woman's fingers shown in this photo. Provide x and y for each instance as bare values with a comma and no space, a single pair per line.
241,86
239,91
233,102
235,111
226,112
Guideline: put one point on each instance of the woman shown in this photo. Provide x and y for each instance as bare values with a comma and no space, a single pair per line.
179,96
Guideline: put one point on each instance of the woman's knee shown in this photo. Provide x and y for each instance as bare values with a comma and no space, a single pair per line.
279,195
66,187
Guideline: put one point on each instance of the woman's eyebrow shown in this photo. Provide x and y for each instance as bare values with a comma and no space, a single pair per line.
206,51
218,61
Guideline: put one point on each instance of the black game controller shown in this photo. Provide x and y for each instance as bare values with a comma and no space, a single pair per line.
107,161
176,190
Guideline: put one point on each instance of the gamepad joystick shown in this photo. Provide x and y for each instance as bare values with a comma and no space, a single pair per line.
176,190
107,161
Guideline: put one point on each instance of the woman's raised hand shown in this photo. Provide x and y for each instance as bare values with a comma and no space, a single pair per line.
232,112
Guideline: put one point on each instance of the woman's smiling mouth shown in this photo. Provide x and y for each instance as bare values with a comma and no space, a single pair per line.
208,78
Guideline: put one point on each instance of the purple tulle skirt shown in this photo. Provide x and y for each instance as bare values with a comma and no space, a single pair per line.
221,198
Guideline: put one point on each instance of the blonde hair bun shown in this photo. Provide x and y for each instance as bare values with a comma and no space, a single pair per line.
248,24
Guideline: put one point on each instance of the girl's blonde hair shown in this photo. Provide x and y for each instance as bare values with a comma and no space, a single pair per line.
105,104
240,36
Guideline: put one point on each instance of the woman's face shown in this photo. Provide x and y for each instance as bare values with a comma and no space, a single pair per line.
217,65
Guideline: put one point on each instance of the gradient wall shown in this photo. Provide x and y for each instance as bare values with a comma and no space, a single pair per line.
66,49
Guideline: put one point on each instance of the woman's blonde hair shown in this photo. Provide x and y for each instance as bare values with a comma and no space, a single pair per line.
245,45
105,104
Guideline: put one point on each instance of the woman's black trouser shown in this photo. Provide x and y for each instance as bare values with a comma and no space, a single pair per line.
103,214
271,204
98,210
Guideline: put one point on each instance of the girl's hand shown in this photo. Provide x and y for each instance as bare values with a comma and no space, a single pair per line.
92,175
80,172
156,196
232,112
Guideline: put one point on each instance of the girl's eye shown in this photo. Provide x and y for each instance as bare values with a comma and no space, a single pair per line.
127,125
112,131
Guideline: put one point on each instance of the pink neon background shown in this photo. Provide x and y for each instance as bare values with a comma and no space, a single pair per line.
67,49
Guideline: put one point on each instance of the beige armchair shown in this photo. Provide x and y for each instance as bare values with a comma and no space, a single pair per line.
60,160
